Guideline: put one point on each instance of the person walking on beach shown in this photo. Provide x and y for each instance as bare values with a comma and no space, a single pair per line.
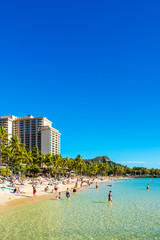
110,196
34,190
67,194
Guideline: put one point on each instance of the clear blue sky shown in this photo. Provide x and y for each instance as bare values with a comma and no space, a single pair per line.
92,68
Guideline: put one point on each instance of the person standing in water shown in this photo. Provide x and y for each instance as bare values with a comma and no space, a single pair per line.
67,194
59,195
96,185
148,187
110,196
74,190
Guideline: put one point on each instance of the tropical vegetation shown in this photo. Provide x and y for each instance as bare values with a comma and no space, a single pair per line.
15,159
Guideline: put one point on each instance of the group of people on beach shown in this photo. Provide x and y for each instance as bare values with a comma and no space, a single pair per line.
14,183
56,188
68,192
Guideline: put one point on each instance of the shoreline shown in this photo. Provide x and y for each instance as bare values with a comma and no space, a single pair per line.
10,200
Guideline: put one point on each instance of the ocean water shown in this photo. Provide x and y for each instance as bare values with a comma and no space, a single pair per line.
134,214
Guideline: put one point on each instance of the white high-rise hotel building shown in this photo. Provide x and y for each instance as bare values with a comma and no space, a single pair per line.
33,132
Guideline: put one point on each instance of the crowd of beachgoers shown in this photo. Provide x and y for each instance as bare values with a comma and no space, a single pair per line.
12,188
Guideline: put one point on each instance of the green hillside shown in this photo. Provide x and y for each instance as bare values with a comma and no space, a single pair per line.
102,159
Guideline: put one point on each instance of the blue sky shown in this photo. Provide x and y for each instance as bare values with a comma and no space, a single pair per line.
92,68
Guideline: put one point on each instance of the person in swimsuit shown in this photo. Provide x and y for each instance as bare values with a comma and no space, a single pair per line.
46,189
110,196
74,190
34,191
96,185
59,195
67,194
148,187
15,190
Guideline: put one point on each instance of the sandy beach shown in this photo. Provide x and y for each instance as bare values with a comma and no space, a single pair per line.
8,197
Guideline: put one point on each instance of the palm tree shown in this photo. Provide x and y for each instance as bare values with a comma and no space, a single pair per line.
100,168
15,146
79,163
57,158
34,168
66,162
21,157
93,169
36,155
106,167
43,158
49,162
15,143
28,156
3,139
8,156
29,160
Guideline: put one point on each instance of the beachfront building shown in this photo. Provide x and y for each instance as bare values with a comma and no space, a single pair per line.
33,132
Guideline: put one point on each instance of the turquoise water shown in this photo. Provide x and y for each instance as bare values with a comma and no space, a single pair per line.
134,214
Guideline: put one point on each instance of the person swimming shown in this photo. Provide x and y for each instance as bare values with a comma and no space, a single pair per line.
110,196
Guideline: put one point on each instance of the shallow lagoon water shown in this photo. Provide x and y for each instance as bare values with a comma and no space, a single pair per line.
134,214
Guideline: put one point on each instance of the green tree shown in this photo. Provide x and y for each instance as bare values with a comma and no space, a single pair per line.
43,159
36,156
106,168
49,162
34,169
3,139
21,158
93,169
8,156
15,147
28,156
5,172
57,161
79,164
